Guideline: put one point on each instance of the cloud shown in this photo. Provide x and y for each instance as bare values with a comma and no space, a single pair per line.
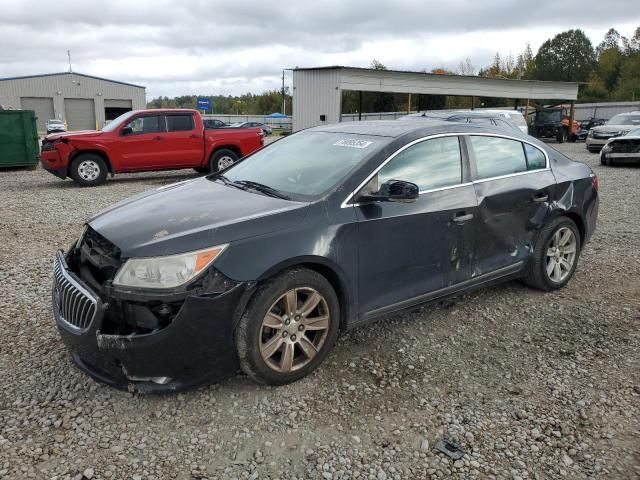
177,47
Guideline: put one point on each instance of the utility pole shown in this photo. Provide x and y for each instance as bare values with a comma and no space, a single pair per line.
69,57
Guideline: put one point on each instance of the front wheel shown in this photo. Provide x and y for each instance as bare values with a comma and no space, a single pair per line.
222,159
88,170
555,256
288,328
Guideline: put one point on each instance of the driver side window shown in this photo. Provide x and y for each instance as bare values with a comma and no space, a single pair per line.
430,164
151,124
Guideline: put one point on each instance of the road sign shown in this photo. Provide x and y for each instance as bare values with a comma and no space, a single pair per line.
204,103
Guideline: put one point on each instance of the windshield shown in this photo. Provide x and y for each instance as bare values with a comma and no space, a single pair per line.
634,133
306,165
625,119
113,124
56,122
546,116
517,119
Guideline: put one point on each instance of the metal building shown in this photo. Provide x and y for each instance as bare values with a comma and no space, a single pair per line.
317,92
84,102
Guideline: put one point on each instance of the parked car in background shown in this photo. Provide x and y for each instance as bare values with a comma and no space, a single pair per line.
478,117
514,116
146,140
214,123
265,128
617,126
53,125
261,266
624,149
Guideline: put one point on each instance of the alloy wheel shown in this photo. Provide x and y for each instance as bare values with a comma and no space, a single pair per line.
561,254
88,170
224,162
294,329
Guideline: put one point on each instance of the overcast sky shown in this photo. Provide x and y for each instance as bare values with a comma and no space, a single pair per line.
176,47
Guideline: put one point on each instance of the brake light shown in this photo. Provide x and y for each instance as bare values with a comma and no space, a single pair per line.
594,181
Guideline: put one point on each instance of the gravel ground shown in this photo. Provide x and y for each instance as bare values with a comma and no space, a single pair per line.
530,384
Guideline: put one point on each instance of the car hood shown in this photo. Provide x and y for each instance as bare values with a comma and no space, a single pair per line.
74,134
613,128
192,215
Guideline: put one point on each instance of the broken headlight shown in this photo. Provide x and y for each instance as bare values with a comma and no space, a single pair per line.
166,272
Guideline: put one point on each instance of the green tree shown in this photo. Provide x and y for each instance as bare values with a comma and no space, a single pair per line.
568,57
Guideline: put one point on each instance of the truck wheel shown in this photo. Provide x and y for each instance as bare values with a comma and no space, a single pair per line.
88,170
288,328
222,159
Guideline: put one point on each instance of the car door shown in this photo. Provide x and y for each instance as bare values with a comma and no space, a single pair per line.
409,249
184,145
513,184
141,143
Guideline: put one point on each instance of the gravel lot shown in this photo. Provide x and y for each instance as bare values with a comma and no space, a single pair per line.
530,384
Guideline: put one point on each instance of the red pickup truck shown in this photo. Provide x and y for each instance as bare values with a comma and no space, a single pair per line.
145,140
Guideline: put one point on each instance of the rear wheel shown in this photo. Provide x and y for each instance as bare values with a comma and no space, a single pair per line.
555,255
289,327
222,159
88,170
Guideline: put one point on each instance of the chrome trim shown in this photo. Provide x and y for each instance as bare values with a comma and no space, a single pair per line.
346,204
74,304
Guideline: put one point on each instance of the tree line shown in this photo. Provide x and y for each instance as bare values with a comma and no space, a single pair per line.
609,71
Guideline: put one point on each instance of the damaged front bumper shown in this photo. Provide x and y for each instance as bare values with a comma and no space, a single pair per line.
196,347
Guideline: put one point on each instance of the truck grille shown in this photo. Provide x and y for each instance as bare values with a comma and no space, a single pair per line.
75,305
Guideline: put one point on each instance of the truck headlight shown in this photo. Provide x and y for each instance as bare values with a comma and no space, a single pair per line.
166,272
590,134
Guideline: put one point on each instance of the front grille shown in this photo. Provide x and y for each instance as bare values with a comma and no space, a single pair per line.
625,146
75,305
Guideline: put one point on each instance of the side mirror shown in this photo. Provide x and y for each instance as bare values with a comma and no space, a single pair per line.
395,191
126,131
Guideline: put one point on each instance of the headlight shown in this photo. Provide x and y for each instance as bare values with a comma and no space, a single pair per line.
166,272
590,134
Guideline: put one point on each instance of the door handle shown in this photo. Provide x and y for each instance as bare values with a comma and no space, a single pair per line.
462,217
540,197
194,136
158,138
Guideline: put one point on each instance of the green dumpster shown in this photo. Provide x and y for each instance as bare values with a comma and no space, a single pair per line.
19,146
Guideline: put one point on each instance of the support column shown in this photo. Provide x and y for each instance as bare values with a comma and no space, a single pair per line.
360,105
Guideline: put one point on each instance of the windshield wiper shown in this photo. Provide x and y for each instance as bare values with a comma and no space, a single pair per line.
262,188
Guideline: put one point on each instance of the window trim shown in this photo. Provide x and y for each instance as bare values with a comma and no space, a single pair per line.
465,151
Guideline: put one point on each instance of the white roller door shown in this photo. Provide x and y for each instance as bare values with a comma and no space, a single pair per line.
80,113
43,108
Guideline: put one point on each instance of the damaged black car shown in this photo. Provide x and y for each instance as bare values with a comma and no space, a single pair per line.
259,267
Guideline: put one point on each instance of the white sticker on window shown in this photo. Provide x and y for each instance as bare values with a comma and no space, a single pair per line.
352,142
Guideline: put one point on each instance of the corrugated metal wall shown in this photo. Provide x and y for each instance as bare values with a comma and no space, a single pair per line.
315,93
69,85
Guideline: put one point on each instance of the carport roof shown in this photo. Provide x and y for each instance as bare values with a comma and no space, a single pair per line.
72,73
402,81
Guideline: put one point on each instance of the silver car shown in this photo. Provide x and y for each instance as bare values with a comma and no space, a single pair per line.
619,125
54,125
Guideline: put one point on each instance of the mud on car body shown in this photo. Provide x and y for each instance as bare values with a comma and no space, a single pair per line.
260,266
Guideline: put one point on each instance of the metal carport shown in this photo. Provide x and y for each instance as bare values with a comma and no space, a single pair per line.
317,92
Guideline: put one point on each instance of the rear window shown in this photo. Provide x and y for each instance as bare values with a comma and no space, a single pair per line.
179,123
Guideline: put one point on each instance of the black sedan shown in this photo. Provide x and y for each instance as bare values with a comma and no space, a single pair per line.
260,266
624,149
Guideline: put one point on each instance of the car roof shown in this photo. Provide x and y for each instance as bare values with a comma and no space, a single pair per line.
393,128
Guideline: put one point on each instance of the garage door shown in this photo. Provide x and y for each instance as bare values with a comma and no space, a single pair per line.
117,103
80,113
43,108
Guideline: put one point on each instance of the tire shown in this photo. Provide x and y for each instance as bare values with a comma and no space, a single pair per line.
88,170
263,348
222,159
538,275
